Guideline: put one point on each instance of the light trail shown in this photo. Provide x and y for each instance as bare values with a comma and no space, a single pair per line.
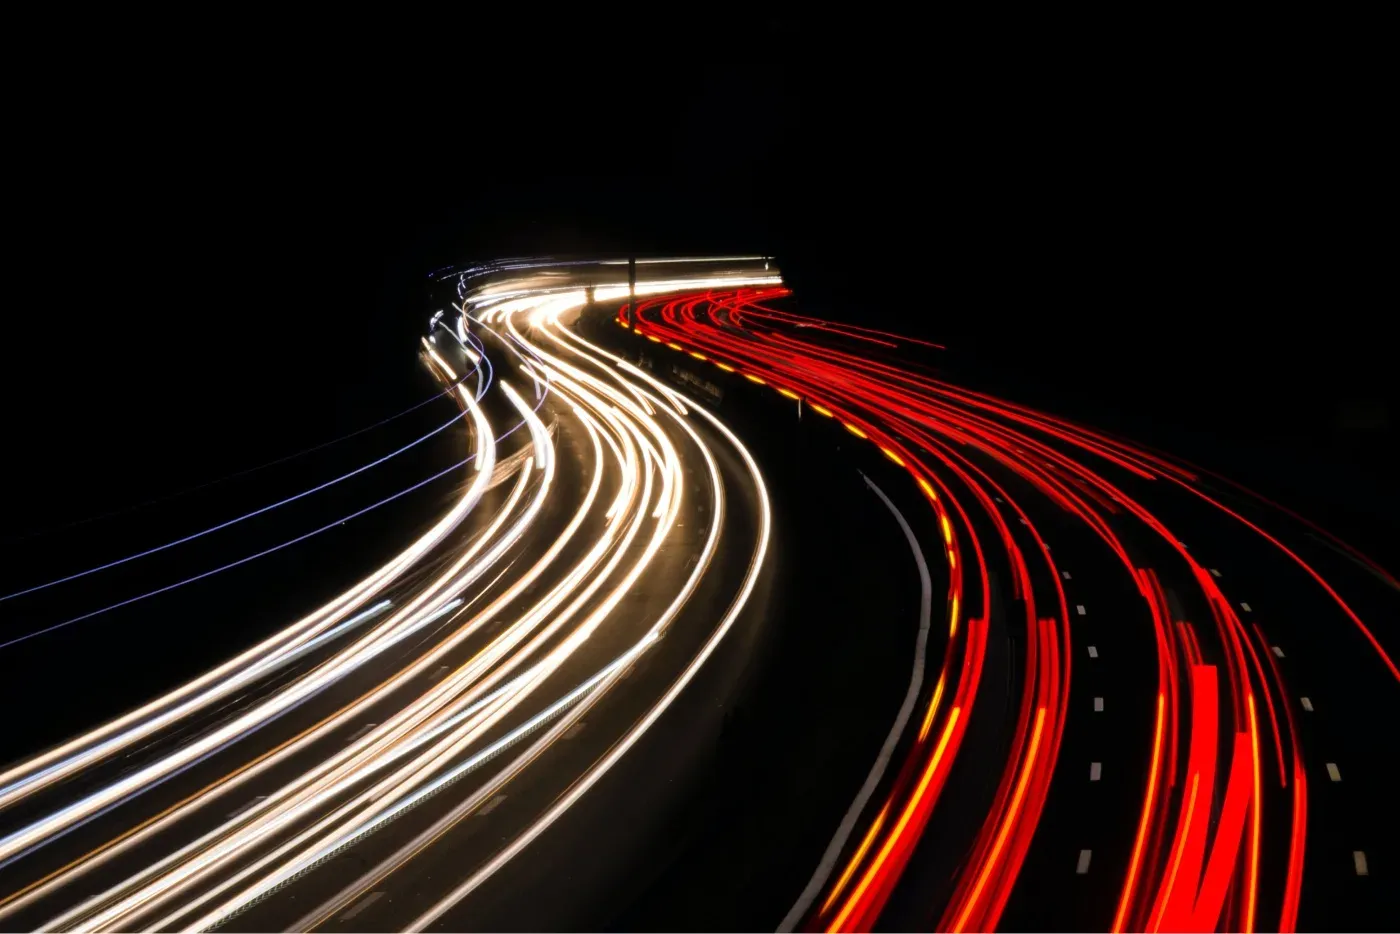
932,429
463,661
512,683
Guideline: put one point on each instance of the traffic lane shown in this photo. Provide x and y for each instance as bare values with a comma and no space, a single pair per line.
1351,697
1113,657
554,516
513,903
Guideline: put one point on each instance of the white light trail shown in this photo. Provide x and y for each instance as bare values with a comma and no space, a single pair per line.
501,683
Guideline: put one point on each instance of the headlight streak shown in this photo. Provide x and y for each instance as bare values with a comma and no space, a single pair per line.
278,659
420,747
580,787
374,744
671,505
366,647
406,853
22,779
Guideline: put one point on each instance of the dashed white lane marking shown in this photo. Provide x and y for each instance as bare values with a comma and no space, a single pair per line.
1182,544
1245,606
1093,651
1307,704
247,806
1098,705
490,806
365,902
360,732
1333,772
1079,608
997,498
1278,651
1358,857
1214,572
1066,574
574,730
1095,770
1024,522
1084,857
437,672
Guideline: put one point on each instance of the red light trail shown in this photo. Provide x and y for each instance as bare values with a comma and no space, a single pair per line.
1202,873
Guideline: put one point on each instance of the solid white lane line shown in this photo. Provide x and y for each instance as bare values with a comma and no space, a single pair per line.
1307,704
1333,772
848,823
1093,651
1095,771
1098,705
1083,866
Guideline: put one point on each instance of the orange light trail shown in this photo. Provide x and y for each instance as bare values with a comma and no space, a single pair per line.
904,818
1006,824
933,704
1134,864
859,855
1176,858
1251,884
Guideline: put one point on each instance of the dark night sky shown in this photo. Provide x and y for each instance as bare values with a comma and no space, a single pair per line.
217,256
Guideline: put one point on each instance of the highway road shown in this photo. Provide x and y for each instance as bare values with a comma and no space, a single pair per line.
1004,670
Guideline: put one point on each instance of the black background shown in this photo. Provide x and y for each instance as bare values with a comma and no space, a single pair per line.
219,245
